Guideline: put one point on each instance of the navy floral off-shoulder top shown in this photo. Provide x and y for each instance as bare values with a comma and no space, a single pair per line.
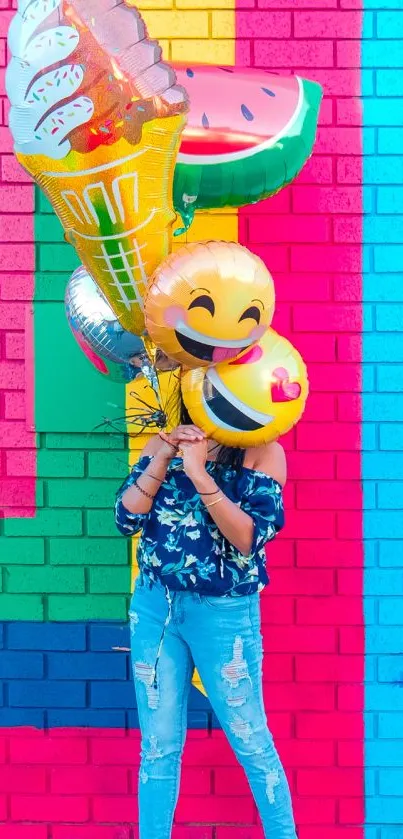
180,544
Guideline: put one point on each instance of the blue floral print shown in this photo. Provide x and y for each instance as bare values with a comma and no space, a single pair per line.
180,544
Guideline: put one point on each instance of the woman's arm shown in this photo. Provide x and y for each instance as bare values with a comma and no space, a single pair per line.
235,525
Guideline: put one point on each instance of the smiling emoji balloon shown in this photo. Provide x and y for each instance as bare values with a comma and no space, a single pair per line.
251,400
209,301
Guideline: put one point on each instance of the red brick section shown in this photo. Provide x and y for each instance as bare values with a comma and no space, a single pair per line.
310,237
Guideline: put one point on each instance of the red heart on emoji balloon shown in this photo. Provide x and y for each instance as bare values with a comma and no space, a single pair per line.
282,390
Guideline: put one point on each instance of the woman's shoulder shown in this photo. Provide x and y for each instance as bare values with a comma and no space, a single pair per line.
269,459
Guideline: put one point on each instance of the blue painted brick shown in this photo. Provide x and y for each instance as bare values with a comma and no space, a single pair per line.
198,719
391,554
46,636
382,54
380,638
391,612
383,698
390,377
391,832
380,407
376,348
389,139
383,170
389,318
380,582
388,258
1,635
86,718
385,288
390,199
133,719
390,726
389,24
104,637
87,666
383,112
391,437
389,83
390,669
115,695
378,813
370,782
383,465
390,495
21,717
368,436
45,694
385,524
21,665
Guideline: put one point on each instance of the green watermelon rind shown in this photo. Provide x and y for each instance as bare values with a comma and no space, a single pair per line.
237,179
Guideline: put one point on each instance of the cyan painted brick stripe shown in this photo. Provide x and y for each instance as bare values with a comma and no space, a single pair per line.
383,408
78,672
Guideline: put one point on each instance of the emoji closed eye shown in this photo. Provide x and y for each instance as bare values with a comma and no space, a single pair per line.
203,302
253,312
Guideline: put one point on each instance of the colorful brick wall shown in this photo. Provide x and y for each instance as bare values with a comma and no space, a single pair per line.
68,726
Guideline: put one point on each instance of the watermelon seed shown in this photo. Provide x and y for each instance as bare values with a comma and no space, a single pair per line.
189,73
226,69
269,92
205,122
247,113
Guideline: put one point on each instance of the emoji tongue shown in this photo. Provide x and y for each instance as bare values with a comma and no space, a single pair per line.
223,353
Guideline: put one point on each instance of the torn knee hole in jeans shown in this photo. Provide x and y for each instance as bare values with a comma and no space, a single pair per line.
134,621
152,754
145,673
272,781
234,672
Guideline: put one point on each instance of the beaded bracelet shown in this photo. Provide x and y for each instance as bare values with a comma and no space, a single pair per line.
144,492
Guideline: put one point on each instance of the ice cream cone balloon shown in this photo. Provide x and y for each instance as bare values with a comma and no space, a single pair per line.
96,119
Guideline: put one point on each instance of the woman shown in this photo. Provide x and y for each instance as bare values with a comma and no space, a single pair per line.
205,513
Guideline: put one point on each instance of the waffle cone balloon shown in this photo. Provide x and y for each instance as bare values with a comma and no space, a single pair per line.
96,119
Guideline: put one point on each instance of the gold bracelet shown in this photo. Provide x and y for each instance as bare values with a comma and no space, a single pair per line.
217,501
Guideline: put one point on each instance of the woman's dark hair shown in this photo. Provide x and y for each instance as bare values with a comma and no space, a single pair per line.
228,456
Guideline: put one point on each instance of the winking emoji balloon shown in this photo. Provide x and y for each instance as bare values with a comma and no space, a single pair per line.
208,301
251,400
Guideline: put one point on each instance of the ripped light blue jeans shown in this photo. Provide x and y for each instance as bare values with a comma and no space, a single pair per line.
221,637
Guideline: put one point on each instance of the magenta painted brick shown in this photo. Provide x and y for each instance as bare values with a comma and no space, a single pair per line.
13,287
22,778
12,171
336,781
16,257
15,408
16,492
288,228
23,831
349,170
55,808
12,315
15,228
15,345
252,24
16,198
21,463
327,199
319,24
12,375
293,53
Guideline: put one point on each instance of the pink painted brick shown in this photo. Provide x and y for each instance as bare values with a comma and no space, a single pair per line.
350,754
23,831
12,315
340,258
48,808
330,554
5,20
312,466
349,404
348,465
261,25
15,345
349,348
16,198
117,808
293,54
296,753
277,610
16,493
16,257
318,526
348,229
324,318
350,639
14,406
316,347
347,580
12,375
351,811
338,832
276,257
278,668
316,437
296,581
185,832
90,831
315,810
215,809
289,229
302,4
16,228
21,778
12,171
317,170
333,378
337,82
280,203
329,495
348,54
349,526
21,463
53,750
350,698
239,833
326,113
320,199
347,288
321,406
318,24
335,781
337,611
14,435
349,111
316,726
300,696
93,780
16,287
243,50
339,140
294,288
349,170
230,780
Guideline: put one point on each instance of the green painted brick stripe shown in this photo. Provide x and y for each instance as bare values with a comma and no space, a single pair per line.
46,579
84,551
21,607
88,607
22,551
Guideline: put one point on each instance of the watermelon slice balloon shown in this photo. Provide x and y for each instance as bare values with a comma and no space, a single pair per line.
248,134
